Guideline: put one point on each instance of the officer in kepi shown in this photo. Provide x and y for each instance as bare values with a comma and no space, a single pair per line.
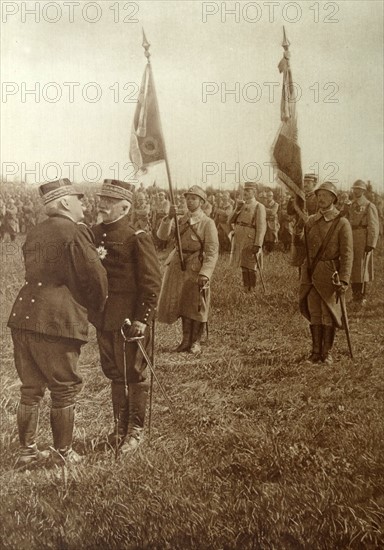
64,280
134,281
186,293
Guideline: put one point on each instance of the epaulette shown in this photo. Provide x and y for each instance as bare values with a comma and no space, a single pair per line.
139,231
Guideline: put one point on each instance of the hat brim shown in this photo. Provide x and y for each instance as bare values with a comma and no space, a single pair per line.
114,195
195,195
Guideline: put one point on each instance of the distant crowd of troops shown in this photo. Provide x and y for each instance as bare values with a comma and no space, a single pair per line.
20,210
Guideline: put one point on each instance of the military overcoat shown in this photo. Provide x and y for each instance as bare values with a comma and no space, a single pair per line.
364,220
180,294
249,229
337,256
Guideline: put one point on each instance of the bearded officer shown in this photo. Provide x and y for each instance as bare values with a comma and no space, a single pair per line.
186,294
329,248
364,220
63,279
134,280
249,222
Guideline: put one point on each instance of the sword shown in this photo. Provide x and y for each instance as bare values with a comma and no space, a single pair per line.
337,283
261,273
138,339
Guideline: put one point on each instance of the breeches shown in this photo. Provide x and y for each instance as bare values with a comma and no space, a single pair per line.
122,362
318,309
44,361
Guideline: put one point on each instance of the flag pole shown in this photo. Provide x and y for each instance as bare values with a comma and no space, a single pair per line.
146,45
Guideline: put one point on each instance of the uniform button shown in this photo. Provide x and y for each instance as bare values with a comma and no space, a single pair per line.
104,234
39,284
33,300
102,242
13,314
26,282
27,316
21,299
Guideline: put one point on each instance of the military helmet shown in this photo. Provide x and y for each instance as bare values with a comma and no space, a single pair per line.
196,190
327,186
359,184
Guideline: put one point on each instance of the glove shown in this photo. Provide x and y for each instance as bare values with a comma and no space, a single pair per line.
368,249
172,211
202,280
137,329
255,249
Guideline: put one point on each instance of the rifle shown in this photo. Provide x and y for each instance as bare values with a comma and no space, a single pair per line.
336,282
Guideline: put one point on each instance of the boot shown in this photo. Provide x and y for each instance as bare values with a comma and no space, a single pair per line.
120,415
252,280
27,422
245,275
187,329
62,424
138,394
197,332
317,340
328,339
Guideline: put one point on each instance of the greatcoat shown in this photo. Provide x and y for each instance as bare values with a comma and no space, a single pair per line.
364,220
249,229
180,295
337,256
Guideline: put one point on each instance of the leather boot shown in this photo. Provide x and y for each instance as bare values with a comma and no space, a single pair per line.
120,415
245,276
252,280
138,394
197,332
187,329
317,342
328,339
27,422
62,424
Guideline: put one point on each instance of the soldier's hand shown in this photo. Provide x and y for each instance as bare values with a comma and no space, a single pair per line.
172,211
202,280
368,249
255,249
341,288
137,329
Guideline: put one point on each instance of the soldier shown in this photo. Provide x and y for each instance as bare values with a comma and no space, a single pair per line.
134,280
222,218
10,222
328,238
364,220
186,294
273,225
141,212
161,209
249,221
63,279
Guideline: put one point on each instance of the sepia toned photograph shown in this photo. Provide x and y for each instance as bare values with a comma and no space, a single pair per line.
192,258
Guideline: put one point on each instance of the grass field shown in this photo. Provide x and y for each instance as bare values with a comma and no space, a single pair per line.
257,451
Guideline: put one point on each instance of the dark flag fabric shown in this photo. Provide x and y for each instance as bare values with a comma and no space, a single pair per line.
286,151
147,145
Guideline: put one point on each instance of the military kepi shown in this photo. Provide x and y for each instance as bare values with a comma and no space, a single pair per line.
116,189
196,190
250,185
53,190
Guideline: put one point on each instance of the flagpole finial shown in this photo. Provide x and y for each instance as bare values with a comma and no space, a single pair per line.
146,45
286,43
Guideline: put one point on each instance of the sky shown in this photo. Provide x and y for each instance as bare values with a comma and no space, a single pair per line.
217,82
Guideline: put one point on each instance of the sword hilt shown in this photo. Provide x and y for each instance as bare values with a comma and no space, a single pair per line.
127,338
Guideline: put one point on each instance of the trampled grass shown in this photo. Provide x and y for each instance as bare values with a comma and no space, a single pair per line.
254,450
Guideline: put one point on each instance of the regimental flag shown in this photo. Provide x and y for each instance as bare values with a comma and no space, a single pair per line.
147,144
286,151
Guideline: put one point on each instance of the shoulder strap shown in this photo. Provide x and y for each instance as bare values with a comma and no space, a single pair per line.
324,244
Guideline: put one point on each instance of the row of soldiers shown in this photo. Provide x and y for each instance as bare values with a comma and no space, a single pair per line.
110,276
